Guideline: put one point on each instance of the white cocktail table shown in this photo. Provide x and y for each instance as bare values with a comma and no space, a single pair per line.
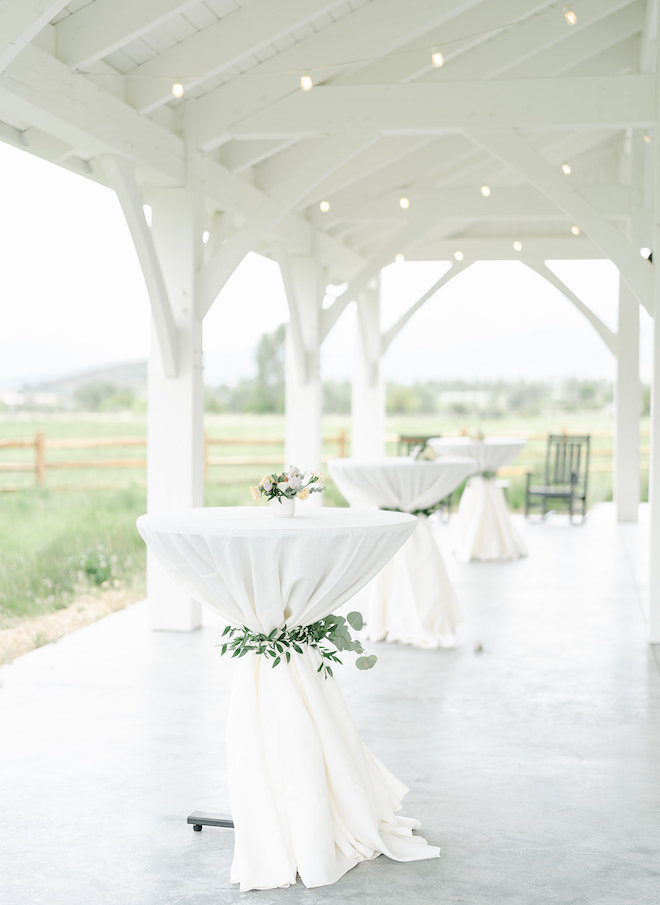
308,798
484,527
412,600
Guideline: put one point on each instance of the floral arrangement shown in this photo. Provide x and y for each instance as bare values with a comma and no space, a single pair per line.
281,642
424,453
291,484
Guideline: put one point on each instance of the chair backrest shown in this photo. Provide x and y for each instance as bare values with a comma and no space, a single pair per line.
567,460
407,442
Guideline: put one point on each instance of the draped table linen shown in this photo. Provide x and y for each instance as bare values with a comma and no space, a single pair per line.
484,527
412,600
308,798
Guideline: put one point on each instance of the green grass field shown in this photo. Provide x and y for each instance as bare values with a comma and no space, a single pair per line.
56,542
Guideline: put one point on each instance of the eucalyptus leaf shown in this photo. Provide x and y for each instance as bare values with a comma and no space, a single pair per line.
355,620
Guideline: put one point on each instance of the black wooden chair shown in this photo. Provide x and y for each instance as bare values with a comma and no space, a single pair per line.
406,444
565,477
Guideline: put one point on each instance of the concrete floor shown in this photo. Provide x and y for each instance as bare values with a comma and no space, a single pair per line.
532,749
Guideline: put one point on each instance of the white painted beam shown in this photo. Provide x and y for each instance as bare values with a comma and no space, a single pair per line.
122,178
483,248
20,22
396,328
101,27
512,149
329,154
467,203
220,47
519,45
609,102
374,30
608,336
75,110
590,38
371,270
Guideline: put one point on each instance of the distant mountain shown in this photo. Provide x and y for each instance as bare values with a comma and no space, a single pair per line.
130,375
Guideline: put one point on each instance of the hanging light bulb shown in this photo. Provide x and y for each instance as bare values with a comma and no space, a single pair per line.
566,168
647,138
459,255
575,230
325,206
306,82
437,59
399,259
177,89
570,16
517,246
404,203
485,191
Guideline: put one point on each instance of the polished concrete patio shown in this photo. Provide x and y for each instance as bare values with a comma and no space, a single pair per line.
532,749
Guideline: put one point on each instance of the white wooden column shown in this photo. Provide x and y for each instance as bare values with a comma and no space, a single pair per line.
654,452
368,391
175,432
626,409
303,396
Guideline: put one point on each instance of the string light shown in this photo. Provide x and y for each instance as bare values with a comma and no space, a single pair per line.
437,59
566,168
306,82
459,255
404,203
177,89
485,191
325,206
517,246
647,139
570,17
575,230
399,259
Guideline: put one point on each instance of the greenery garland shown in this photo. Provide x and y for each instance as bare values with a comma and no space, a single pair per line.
280,642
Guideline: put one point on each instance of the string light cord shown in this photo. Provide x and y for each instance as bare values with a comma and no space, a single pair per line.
192,80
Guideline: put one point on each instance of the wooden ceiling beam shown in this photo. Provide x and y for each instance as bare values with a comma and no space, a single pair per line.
219,47
374,30
512,149
101,27
20,22
569,103
467,203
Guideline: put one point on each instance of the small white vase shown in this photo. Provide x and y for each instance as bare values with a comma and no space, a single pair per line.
282,507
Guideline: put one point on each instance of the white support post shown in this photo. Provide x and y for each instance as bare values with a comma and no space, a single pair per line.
303,396
654,452
626,411
175,432
368,391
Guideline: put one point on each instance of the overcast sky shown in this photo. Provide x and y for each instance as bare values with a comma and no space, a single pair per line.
73,298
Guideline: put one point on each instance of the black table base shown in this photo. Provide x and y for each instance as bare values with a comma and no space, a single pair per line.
209,818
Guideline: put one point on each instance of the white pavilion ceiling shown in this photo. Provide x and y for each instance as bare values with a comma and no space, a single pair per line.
520,93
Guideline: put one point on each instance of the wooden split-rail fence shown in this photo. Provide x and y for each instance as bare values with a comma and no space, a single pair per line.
44,456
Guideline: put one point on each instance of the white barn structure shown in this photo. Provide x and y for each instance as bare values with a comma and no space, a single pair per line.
433,129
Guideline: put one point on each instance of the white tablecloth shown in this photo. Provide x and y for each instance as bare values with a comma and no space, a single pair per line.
412,600
484,527
307,797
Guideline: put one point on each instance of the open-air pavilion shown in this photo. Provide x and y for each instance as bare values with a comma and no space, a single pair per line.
333,137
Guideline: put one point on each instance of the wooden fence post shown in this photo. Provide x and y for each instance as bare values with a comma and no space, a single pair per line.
40,453
342,444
